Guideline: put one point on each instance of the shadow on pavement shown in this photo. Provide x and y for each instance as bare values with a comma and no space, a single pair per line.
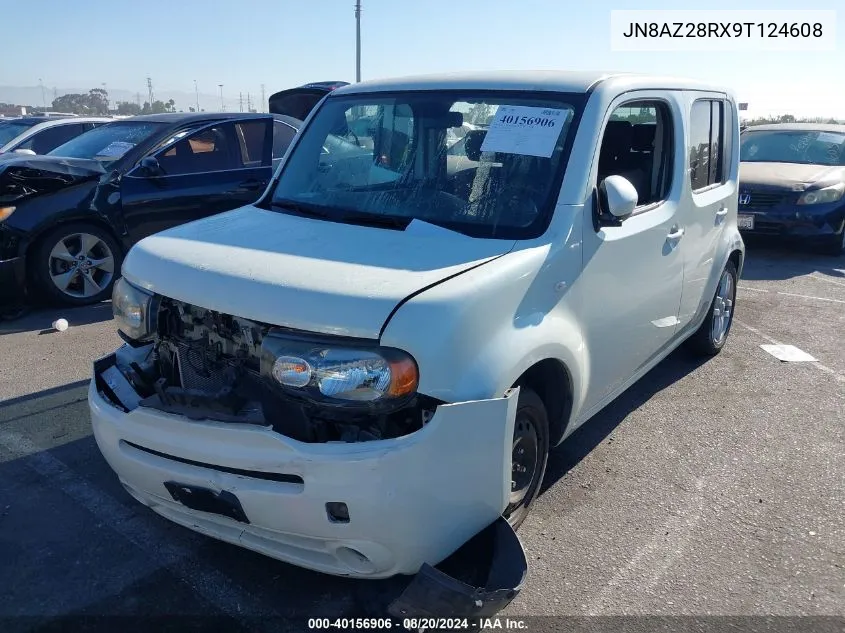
772,259
41,319
595,430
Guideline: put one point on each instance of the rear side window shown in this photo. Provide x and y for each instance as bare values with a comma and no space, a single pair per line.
708,127
49,139
283,136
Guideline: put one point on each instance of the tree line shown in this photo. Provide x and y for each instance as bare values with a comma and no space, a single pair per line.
96,103
788,118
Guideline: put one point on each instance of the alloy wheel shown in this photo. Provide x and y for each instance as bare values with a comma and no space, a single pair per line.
722,309
81,265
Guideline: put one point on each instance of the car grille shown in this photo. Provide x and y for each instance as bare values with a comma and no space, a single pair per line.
759,200
193,373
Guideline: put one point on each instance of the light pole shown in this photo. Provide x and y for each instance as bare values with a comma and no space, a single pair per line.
357,40
222,107
106,97
43,98
197,93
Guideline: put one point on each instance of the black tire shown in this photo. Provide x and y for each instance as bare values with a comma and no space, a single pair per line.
43,267
530,411
702,343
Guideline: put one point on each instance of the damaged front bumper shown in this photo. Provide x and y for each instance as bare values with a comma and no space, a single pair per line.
412,502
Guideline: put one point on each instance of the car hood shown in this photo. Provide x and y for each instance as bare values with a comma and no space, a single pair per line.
302,273
30,176
788,175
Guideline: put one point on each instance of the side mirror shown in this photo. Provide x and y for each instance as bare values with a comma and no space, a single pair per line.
617,200
149,166
25,152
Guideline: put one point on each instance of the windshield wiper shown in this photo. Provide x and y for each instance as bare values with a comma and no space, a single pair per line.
374,219
302,208
346,216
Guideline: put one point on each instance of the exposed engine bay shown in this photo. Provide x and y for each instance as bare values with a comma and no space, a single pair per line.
205,365
29,177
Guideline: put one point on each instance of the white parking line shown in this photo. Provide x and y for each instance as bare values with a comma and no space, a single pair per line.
792,294
207,582
836,375
821,277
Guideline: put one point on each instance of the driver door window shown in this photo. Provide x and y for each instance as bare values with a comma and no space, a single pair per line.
208,150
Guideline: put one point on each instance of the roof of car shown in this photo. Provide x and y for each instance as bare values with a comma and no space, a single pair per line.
189,117
799,127
31,120
536,80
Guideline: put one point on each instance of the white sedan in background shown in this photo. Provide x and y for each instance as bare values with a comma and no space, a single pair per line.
41,134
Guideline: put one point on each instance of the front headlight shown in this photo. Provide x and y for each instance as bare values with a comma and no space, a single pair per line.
353,374
134,310
820,196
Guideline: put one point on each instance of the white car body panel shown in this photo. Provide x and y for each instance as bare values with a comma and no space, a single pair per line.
395,522
297,272
604,305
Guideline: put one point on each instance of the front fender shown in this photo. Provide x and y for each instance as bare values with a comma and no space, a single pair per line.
37,214
474,335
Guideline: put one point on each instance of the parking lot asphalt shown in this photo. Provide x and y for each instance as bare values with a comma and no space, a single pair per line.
711,487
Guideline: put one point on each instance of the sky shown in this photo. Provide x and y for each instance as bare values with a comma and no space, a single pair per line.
283,43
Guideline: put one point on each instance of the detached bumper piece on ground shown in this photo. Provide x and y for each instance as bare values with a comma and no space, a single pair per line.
478,580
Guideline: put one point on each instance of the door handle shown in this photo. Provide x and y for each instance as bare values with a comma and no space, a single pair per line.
676,234
722,212
252,185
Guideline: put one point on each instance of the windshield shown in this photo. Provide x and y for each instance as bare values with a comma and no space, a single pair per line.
12,129
386,157
108,142
810,147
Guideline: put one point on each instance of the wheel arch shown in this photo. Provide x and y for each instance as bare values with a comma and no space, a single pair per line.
37,237
738,259
551,380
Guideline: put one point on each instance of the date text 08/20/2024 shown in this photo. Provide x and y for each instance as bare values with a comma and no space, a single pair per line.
418,624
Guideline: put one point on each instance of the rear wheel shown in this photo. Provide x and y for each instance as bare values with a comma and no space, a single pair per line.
529,455
711,337
76,264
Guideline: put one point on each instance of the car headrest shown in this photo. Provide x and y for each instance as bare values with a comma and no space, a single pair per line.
472,144
642,137
619,132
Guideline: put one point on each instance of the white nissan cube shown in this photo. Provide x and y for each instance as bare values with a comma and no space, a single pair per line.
368,367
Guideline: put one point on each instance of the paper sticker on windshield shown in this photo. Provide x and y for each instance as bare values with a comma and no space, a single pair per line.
116,148
830,137
525,130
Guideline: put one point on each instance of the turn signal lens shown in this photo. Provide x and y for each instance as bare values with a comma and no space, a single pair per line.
5,212
404,377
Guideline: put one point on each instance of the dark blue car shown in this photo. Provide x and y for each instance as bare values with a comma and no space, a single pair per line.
792,183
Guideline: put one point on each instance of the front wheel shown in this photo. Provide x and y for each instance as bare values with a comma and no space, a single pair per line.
529,455
711,337
76,264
